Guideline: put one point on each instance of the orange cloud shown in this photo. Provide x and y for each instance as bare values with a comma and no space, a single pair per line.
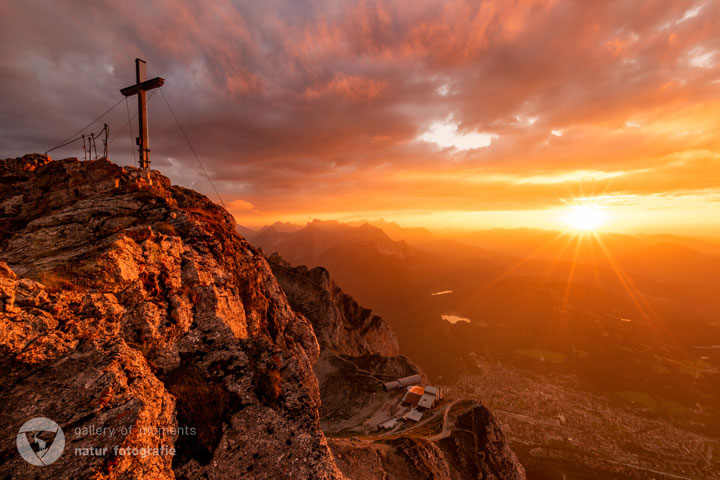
321,107
236,205
352,88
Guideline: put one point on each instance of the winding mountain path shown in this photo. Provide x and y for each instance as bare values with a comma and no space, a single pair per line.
445,427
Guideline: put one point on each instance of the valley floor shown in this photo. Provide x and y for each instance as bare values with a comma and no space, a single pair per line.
560,431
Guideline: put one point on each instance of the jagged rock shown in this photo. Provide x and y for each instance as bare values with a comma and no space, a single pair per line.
391,459
351,386
128,302
354,363
358,349
340,324
475,449
132,308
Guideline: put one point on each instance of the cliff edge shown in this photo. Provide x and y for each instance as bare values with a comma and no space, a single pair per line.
134,317
456,439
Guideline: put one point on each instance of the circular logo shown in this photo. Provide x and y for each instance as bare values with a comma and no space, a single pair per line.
40,451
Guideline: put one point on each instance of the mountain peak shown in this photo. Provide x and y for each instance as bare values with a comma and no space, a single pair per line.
129,302
131,305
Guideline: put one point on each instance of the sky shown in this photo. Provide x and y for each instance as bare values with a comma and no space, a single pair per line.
460,114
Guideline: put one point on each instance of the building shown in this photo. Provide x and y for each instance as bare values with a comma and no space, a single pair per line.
427,401
433,391
429,398
423,398
414,415
388,424
402,382
412,396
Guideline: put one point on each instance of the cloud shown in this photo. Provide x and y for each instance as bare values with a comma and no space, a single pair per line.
445,134
304,105
699,58
692,12
352,88
240,205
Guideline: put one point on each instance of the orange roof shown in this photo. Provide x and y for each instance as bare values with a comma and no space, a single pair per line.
416,389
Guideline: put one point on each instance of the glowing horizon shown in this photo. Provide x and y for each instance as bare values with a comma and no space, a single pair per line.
626,215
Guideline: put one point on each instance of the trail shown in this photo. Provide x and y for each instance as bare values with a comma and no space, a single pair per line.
445,427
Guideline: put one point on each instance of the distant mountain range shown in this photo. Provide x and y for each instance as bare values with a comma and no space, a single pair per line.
629,317
611,307
321,242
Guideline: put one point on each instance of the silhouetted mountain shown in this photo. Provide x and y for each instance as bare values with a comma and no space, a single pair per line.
396,232
673,263
246,232
326,243
282,227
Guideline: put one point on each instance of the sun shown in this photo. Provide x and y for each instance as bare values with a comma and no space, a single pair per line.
585,218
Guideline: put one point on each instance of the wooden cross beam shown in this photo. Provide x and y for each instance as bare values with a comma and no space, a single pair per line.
141,86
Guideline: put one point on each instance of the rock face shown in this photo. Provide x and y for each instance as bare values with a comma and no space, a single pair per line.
340,324
128,302
477,447
476,450
356,357
163,344
358,349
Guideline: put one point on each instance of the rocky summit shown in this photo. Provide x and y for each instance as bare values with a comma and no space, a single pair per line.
165,346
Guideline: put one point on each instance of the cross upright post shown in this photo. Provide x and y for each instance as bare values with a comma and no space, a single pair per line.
141,86
142,141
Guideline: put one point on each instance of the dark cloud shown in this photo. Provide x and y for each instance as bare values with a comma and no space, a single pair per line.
304,102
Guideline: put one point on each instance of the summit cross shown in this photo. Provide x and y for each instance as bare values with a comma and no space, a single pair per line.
141,86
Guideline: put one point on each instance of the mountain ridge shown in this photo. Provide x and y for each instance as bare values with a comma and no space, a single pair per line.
352,367
132,305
